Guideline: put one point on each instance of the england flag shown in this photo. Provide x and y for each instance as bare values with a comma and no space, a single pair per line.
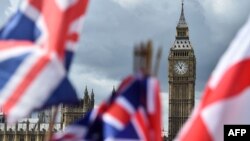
36,47
226,99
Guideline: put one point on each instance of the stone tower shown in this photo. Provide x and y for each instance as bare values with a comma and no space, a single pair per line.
182,72
92,100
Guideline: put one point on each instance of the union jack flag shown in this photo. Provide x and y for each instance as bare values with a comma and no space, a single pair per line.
227,95
36,47
134,113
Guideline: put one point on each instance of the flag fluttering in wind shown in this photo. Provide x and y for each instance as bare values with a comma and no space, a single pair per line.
134,113
36,47
226,99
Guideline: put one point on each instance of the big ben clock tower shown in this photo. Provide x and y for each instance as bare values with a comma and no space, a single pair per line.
182,71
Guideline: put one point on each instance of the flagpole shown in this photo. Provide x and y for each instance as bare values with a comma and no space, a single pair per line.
148,51
52,123
157,62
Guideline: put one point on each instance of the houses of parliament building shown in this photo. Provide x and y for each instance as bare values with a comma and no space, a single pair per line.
36,126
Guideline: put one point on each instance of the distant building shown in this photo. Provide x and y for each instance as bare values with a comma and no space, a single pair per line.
72,113
182,73
36,126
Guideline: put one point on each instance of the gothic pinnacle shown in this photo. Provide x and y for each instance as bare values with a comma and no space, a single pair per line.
182,21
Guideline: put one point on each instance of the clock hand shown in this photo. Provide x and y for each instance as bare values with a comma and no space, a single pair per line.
181,66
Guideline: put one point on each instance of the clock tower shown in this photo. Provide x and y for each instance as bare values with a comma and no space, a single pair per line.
182,71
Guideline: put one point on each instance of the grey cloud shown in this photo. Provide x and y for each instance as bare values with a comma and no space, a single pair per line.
4,6
111,30
222,19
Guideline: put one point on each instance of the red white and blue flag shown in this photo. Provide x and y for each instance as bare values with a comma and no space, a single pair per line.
36,47
133,114
226,99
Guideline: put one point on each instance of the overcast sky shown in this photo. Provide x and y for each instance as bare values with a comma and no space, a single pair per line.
113,27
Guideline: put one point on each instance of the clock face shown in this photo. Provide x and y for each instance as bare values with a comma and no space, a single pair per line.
181,67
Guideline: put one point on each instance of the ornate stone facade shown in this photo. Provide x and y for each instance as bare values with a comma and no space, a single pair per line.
36,128
72,113
182,73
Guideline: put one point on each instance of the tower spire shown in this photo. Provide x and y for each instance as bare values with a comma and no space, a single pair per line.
182,21
86,100
92,100
85,92
182,27
92,94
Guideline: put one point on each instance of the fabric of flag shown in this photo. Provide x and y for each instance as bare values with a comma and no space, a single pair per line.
134,113
227,95
36,47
